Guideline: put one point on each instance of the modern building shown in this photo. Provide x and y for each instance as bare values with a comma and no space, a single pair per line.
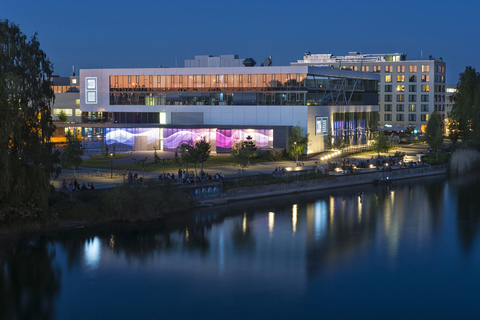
143,109
409,90
67,97
450,93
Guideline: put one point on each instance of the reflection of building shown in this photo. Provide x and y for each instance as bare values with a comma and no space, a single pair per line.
162,107
409,90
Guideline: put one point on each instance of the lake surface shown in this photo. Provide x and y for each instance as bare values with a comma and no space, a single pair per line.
406,251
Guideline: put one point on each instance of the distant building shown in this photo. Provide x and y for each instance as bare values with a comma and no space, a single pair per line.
450,93
67,97
409,90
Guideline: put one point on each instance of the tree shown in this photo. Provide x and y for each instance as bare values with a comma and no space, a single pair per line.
242,152
297,142
62,116
201,151
72,153
26,125
465,115
434,133
379,143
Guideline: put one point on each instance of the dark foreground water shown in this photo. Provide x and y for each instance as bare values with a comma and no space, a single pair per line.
409,251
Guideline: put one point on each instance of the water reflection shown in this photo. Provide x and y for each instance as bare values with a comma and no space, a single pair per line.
275,250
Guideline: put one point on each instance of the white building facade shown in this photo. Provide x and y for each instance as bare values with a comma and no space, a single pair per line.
143,109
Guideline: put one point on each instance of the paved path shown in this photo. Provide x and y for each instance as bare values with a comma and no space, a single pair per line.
87,175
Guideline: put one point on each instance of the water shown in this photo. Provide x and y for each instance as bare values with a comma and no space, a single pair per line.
406,251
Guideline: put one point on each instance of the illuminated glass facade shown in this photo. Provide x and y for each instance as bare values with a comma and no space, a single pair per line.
239,89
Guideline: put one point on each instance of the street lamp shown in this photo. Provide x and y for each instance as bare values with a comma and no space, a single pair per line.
111,165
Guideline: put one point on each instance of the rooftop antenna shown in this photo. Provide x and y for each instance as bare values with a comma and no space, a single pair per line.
73,71
421,54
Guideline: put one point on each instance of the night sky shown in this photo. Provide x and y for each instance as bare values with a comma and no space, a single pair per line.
124,34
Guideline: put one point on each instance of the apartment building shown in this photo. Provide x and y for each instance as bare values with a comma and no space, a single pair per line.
409,90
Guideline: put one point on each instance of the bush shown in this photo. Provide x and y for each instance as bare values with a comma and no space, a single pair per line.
464,160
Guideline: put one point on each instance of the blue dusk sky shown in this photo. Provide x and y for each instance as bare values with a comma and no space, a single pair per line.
144,33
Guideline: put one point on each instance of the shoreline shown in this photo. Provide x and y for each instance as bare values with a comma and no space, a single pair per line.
255,192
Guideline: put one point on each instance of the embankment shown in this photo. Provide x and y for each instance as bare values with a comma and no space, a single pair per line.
335,181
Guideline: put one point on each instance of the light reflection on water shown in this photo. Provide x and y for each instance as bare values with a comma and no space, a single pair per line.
303,256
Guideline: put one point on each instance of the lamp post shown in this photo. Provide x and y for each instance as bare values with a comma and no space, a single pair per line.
111,165
295,150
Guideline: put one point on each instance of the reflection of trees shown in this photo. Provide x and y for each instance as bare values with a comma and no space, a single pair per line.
468,213
195,239
29,283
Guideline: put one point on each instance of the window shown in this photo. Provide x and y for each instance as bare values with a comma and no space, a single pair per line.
388,88
400,68
412,117
400,88
365,68
400,107
425,68
412,88
424,108
377,68
412,68
399,117
400,98
412,78
412,98
424,117
77,102
424,98
388,78
388,98
400,78
425,88
412,107
388,68
425,78
387,107
388,117
354,68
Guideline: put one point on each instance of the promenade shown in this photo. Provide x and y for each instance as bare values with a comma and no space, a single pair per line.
106,180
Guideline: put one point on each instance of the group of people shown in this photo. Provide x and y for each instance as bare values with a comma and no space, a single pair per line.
278,172
74,185
189,177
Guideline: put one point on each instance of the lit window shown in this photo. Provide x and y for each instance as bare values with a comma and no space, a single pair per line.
412,107
365,68
163,118
77,102
74,81
376,68
425,78
412,68
400,98
388,68
425,88
388,78
425,68
400,78
400,68
400,88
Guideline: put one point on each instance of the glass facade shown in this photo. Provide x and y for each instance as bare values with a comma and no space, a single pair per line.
240,89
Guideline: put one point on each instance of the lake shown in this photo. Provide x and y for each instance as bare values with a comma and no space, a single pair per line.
406,251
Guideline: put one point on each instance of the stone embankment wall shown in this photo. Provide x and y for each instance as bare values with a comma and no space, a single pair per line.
319,184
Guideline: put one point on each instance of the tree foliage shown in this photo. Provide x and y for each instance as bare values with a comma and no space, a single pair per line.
62,116
434,133
465,116
72,153
26,125
243,152
297,142
380,142
194,152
